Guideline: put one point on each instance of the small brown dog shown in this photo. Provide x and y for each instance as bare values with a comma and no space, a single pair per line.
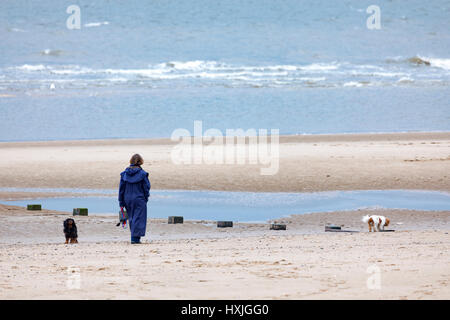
376,222
70,231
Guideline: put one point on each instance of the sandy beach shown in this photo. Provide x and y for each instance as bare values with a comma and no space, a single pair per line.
306,114
196,260
307,163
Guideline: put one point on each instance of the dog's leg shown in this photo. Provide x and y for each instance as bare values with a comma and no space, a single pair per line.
371,225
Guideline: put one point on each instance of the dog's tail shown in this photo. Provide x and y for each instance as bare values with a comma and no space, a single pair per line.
365,219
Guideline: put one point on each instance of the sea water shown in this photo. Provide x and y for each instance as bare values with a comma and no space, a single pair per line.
245,206
145,68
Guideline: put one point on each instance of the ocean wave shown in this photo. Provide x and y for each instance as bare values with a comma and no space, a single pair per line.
439,63
214,73
28,67
353,84
405,80
71,70
190,65
320,67
200,65
190,69
95,24
442,63
388,74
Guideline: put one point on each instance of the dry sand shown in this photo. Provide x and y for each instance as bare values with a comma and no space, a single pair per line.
198,261
307,163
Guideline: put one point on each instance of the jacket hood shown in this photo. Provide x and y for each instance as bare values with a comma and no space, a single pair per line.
133,175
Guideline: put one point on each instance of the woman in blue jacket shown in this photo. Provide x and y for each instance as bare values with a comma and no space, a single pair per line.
134,190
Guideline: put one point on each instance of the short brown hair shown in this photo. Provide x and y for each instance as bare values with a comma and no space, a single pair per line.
136,160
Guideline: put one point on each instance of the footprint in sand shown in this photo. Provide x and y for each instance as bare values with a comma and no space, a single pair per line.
427,293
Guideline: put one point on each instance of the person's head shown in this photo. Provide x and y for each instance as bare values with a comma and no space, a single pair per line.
136,160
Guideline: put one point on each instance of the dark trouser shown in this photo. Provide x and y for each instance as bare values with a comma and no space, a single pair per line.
137,216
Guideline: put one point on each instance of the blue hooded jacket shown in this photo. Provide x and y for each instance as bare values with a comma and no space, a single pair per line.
134,184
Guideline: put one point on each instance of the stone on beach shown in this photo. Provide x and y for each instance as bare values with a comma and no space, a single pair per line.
175,219
224,224
80,211
276,226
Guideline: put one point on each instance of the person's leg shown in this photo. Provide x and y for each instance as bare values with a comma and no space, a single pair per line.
139,220
129,206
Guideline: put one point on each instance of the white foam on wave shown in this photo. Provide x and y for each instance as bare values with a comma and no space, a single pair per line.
442,63
202,69
191,69
389,74
405,80
385,74
190,65
200,65
274,68
72,70
331,74
95,24
139,72
29,67
320,67
353,84
438,62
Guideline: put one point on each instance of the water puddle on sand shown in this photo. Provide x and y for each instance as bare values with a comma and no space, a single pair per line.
241,206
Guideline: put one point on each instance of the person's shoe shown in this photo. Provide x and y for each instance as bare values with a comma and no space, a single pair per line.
135,240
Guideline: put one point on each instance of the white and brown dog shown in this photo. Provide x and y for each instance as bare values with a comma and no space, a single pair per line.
376,222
